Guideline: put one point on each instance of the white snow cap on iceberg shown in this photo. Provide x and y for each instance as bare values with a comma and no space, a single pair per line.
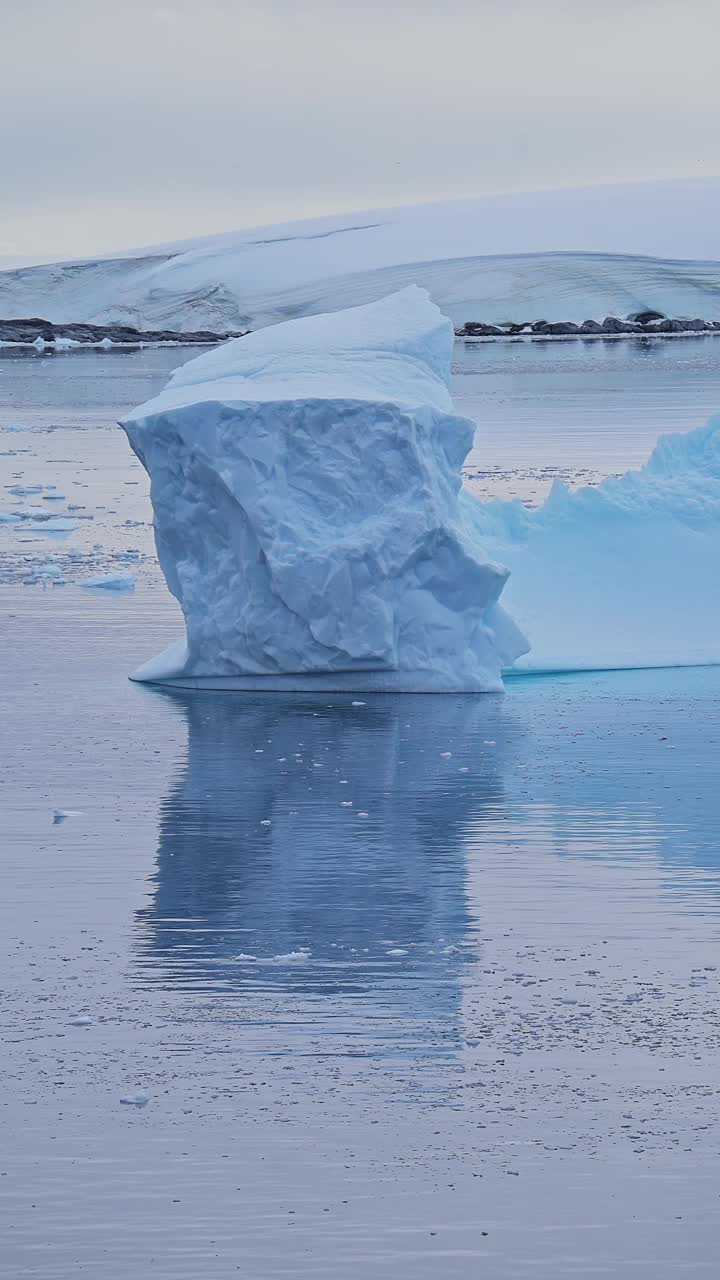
306,488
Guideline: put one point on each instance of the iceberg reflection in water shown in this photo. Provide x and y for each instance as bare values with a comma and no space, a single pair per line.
320,850
349,867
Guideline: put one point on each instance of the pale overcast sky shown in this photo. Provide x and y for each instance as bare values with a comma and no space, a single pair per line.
125,122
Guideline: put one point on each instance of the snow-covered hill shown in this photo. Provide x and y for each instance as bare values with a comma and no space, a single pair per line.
557,255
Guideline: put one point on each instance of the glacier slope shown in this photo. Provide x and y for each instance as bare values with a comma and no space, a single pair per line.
558,255
308,510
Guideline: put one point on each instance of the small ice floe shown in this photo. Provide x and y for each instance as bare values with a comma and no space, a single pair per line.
346,804
25,490
358,704
291,957
396,951
135,1098
59,815
266,822
445,755
82,1020
109,582
362,813
104,344
246,959
46,573
463,769
56,524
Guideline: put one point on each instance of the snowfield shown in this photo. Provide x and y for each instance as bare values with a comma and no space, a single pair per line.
554,255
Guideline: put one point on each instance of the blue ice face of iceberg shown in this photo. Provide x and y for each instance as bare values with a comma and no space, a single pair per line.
624,574
306,486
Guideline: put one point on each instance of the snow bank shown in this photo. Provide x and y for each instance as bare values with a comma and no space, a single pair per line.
621,575
308,515
556,255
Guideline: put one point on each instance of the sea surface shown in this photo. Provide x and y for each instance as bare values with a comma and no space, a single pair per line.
427,986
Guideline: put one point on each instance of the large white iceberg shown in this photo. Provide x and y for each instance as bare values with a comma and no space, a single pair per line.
306,487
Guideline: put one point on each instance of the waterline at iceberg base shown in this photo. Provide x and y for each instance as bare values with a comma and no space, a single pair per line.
309,513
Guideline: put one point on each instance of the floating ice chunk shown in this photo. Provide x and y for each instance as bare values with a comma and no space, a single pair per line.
397,951
82,1020
246,958
46,573
56,524
290,957
136,1098
59,815
306,488
265,822
109,582
358,704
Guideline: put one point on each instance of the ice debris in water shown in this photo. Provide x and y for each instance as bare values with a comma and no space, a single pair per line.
135,1098
109,582
59,815
82,1020
56,524
308,511
290,957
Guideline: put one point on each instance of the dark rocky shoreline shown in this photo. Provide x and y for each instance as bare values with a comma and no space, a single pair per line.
649,323
35,331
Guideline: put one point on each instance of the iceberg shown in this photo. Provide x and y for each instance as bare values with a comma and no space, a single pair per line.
624,574
309,514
